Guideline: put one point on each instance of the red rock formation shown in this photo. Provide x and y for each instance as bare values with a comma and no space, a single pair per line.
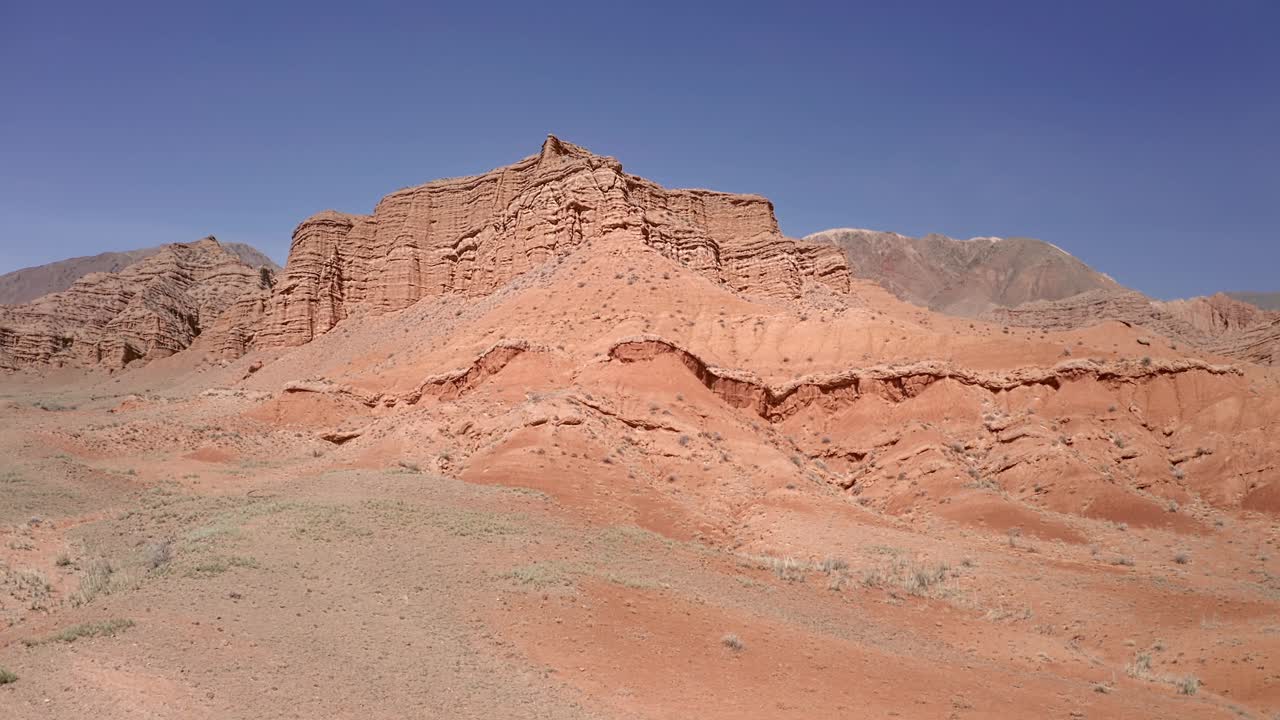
1216,314
152,308
1218,324
469,236
27,284
1258,343
1091,308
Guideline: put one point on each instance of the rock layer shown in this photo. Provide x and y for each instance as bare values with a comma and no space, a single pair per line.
152,308
1217,314
469,236
1097,306
1217,324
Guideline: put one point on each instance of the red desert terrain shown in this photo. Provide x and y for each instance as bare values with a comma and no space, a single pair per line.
557,442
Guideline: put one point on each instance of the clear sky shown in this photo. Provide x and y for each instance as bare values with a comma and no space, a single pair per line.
1143,137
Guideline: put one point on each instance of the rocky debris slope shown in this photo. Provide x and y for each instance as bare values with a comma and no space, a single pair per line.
27,284
964,277
469,236
152,308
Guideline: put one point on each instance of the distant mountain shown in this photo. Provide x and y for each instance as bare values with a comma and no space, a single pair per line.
965,277
27,284
1264,300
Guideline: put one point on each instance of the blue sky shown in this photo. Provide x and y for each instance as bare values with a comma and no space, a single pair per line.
1140,136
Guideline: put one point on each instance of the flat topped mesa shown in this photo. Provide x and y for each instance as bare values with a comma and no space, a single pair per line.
472,235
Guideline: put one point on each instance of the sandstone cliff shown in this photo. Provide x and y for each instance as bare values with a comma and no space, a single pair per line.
964,277
27,284
1216,314
469,236
151,308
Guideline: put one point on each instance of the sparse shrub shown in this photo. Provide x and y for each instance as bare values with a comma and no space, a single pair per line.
1146,362
1140,667
832,564
684,440
410,466
1188,685
97,580
64,560
1182,558
789,569
106,628
158,555
34,587
1123,560
733,642
922,578
7,677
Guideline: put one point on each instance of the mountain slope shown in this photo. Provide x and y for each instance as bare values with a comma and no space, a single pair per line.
964,277
27,284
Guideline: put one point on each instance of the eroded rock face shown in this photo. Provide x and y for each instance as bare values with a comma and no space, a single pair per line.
469,236
25,285
1216,314
1218,323
1091,308
152,308
1258,343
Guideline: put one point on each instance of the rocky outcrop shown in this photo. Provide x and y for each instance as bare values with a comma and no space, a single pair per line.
1258,343
469,236
895,383
1216,315
1216,324
964,277
1091,308
152,308
27,284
